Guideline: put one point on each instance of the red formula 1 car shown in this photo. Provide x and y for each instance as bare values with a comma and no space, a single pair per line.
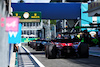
66,48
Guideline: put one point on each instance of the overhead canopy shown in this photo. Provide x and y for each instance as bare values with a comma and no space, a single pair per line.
51,10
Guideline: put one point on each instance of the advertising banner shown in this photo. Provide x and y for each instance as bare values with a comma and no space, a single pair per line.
23,40
28,16
15,37
12,24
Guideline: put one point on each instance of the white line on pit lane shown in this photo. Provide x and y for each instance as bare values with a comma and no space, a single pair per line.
36,60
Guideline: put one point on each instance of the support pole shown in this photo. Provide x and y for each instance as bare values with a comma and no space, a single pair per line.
75,25
63,1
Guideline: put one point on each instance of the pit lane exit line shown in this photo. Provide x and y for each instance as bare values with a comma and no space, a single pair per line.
36,60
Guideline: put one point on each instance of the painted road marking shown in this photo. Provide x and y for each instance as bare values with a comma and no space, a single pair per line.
36,60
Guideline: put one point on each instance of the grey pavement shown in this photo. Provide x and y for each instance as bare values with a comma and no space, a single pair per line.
65,62
23,59
94,51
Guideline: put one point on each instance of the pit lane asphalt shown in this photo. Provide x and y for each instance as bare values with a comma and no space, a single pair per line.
65,62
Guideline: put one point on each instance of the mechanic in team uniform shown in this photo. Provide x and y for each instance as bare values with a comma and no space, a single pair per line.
59,36
87,37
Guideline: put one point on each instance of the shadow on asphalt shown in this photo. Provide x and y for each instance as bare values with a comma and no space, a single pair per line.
23,53
34,53
91,61
38,53
82,62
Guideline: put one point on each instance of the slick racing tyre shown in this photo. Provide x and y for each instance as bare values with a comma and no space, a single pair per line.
83,50
51,52
28,43
46,51
37,47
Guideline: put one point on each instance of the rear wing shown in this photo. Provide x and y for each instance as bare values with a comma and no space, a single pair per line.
66,40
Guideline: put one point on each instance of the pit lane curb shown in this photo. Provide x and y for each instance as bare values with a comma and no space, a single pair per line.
33,57
94,55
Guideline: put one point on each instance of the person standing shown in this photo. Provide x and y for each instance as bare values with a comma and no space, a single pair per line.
86,37
99,37
15,48
59,36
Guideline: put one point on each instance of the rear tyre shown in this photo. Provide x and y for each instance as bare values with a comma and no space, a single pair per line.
37,47
83,50
46,51
51,52
28,44
34,44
